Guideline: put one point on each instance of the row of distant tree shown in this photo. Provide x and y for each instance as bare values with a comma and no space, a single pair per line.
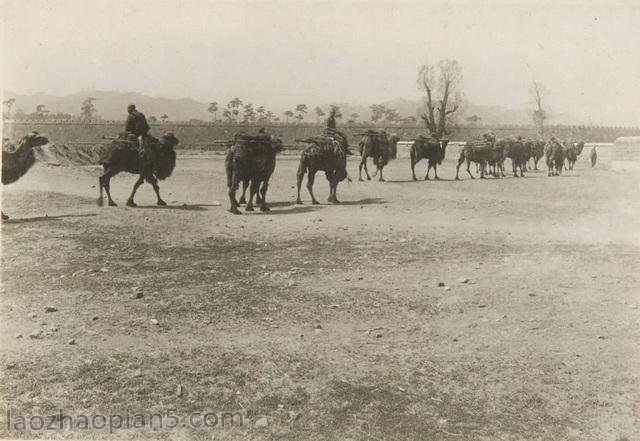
441,84
88,113
234,112
237,111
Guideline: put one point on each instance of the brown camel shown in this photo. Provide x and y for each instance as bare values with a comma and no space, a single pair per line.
554,157
323,154
431,149
16,161
572,151
251,160
380,147
482,151
122,155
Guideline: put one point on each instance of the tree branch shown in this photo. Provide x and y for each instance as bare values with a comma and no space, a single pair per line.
452,110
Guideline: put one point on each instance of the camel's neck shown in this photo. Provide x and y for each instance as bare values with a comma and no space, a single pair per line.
23,149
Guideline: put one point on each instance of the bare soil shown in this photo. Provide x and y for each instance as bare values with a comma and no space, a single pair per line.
328,322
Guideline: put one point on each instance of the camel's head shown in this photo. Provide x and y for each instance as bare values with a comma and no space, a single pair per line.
489,137
169,140
348,151
580,146
276,144
394,138
34,139
443,143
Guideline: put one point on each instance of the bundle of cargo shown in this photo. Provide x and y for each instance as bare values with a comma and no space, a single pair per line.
260,143
481,151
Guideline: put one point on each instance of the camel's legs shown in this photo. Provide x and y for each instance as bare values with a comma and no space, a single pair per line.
243,199
381,179
333,186
426,177
335,192
299,177
105,182
263,197
310,179
137,185
460,161
413,165
363,163
107,189
154,183
331,179
235,183
100,198
469,171
253,189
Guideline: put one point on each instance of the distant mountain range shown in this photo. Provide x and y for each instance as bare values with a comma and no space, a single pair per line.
113,104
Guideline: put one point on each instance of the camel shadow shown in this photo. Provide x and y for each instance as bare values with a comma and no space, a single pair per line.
25,220
183,207
280,204
410,181
366,201
293,209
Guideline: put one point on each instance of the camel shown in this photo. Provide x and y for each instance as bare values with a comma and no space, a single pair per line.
17,161
482,152
328,154
518,151
554,157
380,147
572,151
430,149
122,155
537,152
251,160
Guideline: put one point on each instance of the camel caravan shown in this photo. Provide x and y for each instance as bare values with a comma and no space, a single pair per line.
251,159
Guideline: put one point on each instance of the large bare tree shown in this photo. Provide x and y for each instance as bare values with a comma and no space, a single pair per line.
442,94
539,115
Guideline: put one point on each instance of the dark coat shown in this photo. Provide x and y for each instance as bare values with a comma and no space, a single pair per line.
331,122
137,124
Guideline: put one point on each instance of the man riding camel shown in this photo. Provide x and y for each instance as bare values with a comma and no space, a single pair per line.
137,125
331,126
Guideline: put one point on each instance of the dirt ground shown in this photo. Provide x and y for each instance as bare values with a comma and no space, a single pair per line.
328,322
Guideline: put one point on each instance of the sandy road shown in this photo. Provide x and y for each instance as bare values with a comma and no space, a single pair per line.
332,312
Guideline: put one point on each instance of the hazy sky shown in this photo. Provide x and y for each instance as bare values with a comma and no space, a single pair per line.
587,54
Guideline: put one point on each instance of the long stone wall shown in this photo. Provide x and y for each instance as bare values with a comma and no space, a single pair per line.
194,136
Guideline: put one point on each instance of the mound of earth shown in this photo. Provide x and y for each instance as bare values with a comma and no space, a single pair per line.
65,155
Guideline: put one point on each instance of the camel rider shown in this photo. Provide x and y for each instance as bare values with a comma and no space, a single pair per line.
138,126
331,121
331,127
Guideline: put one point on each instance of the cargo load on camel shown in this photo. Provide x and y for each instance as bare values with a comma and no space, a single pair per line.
124,155
482,151
324,153
251,160
379,146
